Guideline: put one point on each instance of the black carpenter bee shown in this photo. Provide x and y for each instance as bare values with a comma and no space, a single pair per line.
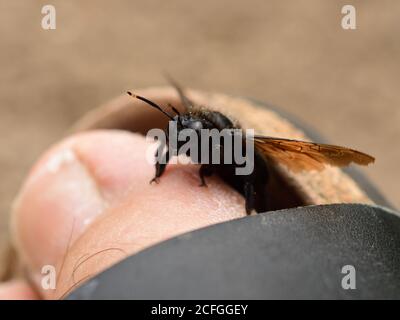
294,154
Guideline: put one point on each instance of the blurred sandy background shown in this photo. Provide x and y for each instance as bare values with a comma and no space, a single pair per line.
293,54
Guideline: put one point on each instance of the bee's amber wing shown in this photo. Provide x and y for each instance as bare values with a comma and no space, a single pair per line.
301,155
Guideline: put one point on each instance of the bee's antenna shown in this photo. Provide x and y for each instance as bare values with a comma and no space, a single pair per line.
174,109
187,103
177,113
151,103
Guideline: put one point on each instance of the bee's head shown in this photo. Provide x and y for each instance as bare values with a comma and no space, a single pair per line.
188,121
183,121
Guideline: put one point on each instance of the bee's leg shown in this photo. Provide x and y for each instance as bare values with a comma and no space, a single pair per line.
249,196
160,166
205,170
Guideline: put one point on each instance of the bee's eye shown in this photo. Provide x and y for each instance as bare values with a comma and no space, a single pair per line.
196,125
